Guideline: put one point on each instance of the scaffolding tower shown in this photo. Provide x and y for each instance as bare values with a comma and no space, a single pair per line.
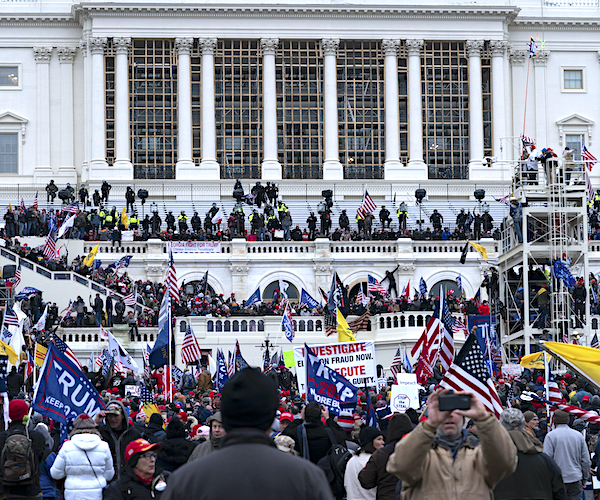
553,197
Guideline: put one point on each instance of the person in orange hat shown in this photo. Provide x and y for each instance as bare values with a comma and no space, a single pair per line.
141,479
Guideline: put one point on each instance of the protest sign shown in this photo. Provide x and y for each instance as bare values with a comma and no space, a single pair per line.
512,370
353,360
326,386
132,390
405,394
63,392
194,246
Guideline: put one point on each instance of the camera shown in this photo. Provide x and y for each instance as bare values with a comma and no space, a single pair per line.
451,401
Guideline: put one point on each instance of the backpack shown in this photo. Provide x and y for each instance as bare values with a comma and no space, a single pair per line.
334,465
18,465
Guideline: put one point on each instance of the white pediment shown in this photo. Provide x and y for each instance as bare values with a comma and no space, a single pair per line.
575,120
12,118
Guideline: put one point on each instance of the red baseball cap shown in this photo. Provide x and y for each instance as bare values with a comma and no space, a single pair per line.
501,381
139,446
585,398
286,415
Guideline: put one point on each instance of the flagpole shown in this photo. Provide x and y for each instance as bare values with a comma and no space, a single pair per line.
170,380
547,377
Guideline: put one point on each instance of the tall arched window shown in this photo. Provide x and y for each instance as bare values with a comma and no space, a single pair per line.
291,291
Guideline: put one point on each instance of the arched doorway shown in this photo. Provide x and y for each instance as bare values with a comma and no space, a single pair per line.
291,291
446,285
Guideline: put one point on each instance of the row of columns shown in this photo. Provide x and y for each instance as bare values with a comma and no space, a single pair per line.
271,168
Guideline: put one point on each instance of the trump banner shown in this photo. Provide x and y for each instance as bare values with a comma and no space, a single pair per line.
63,392
353,360
326,386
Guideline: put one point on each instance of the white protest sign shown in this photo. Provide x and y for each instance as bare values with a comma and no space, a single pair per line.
355,361
405,394
512,370
132,390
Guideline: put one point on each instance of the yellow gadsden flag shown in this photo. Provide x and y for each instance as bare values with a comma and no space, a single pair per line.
583,360
534,361
480,248
89,260
7,350
344,332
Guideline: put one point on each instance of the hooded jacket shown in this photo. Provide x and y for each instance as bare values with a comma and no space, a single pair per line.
118,441
175,451
375,474
87,464
154,430
537,476
130,487
427,468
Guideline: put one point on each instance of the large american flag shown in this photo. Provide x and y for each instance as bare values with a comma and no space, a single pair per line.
396,362
17,279
460,327
65,349
374,286
427,348
10,318
73,208
50,246
573,410
367,205
171,279
131,299
361,323
190,350
589,159
447,340
469,372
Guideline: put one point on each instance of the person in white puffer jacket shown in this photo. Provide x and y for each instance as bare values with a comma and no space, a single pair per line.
85,461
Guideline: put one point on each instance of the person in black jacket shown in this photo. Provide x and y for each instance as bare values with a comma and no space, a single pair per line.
141,478
537,475
98,307
248,465
109,310
375,474
14,382
319,442
17,410
175,450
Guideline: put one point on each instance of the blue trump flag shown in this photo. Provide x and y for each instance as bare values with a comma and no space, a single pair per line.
221,376
422,287
562,271
254,298
326,386
63,392
159,356
306,298
371,417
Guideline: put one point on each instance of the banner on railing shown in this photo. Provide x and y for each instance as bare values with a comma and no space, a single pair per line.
353,360
194,246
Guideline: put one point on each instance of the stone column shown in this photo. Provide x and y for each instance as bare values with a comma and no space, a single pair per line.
498,49
209,165
85,168
392,164
42,57
517,61
475,104
332,168
417,167
98,164
184,109
271,168
539,65
122,129
66,56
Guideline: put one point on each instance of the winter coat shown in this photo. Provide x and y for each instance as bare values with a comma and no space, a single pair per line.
537,476
87,464
248,466
318,438
174,453
46,484
354,490
130,487
426,468
204,382
374,473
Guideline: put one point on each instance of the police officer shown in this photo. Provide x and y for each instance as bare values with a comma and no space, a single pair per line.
51,190
83,194
436,219
155,223
182,222
402,215
105,188
134,222
344,221
109,220
170,220
196,223
384,217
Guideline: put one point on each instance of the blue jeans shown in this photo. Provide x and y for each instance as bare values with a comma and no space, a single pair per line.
518,231
261,234
286,233
80,319
99,318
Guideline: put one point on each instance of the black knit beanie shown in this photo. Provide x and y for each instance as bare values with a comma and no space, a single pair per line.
367,434
249,399
175,428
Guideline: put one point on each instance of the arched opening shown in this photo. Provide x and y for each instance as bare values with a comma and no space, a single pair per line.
292,291
446,285
193,288
354,291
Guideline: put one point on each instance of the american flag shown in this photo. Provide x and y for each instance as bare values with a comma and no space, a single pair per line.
565,337
554,394
190,350
171,279
426,349
590,187
595,343
361,297
22,203
17,278
503,199
131,299
98,362
121,263
360,324
469,372
50,246
573,410
65,349
396,362
367,205
145,394
528,141
230,364
73,208
10,318
477,297
374,286
447,341
147,361
589,159
532,45
35,202
459,327
30,363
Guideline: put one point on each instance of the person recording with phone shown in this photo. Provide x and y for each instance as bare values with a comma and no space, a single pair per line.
437,456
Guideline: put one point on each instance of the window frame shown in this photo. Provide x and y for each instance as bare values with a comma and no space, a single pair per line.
11,123
582,90
16,134
19,85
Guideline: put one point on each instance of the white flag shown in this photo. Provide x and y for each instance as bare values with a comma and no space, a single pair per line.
120,355
66,225
218,217
41,323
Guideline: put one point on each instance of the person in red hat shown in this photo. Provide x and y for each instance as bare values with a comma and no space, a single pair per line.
17,409
141,479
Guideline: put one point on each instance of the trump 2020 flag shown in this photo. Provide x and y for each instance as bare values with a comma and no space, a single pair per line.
63,392
306,298
254,298
286,323
326,386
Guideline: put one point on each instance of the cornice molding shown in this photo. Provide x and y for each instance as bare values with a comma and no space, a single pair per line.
555,24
